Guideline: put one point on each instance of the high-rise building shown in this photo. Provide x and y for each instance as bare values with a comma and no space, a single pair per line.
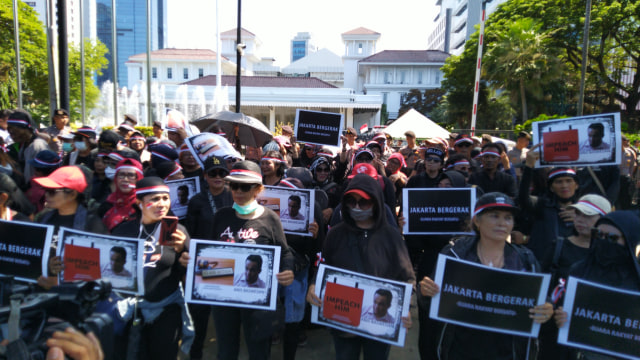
73,17
131,27
301,46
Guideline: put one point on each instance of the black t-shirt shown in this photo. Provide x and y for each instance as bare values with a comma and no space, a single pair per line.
162,270
264,230
200,213
569,255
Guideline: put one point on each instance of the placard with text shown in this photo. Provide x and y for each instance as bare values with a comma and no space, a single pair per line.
24,249
293,206
361,304
180,192
319,128
486,298
601,318
438,211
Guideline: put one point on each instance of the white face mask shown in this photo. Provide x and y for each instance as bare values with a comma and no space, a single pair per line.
80,145
110,173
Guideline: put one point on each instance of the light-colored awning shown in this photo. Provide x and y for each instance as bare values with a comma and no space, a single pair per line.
307,105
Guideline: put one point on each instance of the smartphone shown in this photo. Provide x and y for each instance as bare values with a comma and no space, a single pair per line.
169,225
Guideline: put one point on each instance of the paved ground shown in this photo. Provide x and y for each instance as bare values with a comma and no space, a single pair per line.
320,344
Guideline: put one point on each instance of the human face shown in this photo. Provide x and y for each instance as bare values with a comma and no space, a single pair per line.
611,233
355,200
490,162
595,137
155,207
364,158
432,163
59,198
175,137
126,180
584,223
268,167
183,197
380,305
494,225
19,134
322,173
157,131
215,178
376,151
523,142
309,152
136,144
61,121
187,159
117,262
392,166
444,183
242,197
294,208
462,167
564,187
464,148
251,271
177,176
98,165
351,138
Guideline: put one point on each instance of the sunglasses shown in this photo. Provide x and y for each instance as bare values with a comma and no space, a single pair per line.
217,172
599,234
322,169
242,187
432,159
363,203
52,192
464,144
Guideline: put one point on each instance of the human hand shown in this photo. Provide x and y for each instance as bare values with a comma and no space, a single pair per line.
74,344
184,259
532,156
428,287
326,214
406,321
313,229
312,298
567,214
560,316
285,278
518,238
177,241
55,265
401,221
47,282
541,313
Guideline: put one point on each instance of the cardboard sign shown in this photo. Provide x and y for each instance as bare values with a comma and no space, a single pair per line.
81,263
24,249
438,211
561,145
343,304
320,128
602,319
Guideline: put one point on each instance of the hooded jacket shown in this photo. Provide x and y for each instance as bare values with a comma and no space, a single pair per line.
381,249
623,274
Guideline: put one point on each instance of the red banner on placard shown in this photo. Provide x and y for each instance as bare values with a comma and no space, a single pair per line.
81,263
561,145
343,304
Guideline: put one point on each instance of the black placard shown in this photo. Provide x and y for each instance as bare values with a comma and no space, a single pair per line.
320,128
602,319
486,298
24,249
438,211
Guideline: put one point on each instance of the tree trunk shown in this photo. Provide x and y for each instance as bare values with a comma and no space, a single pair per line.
523,98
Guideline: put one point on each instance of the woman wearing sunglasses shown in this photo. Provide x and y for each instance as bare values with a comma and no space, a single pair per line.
120,205
611,261
164,311
364,242
492,223
247,221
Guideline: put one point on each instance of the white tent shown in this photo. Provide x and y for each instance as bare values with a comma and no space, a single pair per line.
421,125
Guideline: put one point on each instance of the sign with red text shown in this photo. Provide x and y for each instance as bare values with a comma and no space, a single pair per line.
81,263
561,146
343,304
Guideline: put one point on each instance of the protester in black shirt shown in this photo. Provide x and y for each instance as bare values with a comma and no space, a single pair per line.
490,178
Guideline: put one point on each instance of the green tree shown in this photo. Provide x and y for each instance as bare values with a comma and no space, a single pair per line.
94,62
424,103
33,53
519,60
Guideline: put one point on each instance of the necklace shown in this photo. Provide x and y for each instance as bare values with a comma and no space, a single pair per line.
496,262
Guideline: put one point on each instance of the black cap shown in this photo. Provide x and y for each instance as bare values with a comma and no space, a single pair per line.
435,151
46,159
246,172
21,118
352,131
86,131
410,133
163,152
215,162
495,200
60,112
524,134
108,140
131,118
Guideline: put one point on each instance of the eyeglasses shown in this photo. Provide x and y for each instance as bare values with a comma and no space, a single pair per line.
464,144
130,176
242,187
363,203
322,169
599,234
52,192
432,159
217,172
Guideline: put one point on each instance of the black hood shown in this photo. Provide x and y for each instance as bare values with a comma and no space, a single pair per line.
456,178
374,189
629,224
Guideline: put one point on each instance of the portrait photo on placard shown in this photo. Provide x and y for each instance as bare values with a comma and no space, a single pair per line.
180,192
89,256
232,274
293,206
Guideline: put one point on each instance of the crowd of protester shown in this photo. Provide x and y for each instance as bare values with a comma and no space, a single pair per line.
553,220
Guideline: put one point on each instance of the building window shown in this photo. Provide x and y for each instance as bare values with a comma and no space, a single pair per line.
359,48
384,98
169,73
200,72
154,73
140,73
386,78
185,74
403,76
437,77
419,77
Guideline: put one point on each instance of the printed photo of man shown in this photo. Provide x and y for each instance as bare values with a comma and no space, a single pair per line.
250,277
293,209
117,259
378,312
595,132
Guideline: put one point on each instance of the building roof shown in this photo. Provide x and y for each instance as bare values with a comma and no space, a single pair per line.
361,31
178,54
322,60
263,81
407,56
234,31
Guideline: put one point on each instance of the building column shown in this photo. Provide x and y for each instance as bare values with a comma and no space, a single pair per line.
272,118
348,116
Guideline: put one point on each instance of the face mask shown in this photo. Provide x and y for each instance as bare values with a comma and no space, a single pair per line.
608,253
110,172
246,209
67,147
80,145
361,215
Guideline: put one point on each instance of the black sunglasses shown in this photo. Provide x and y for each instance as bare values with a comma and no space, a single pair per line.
217,172
322,169
52,192
599,234
464,144
242,187
432,159
363,203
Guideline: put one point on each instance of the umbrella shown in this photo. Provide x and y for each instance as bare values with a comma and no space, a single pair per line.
251,131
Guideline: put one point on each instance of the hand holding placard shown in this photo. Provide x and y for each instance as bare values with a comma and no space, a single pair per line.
533,155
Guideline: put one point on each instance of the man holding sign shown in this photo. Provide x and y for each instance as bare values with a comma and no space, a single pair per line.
492,222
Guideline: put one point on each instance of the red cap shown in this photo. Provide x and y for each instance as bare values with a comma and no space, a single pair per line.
359,192
66,177
364,168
